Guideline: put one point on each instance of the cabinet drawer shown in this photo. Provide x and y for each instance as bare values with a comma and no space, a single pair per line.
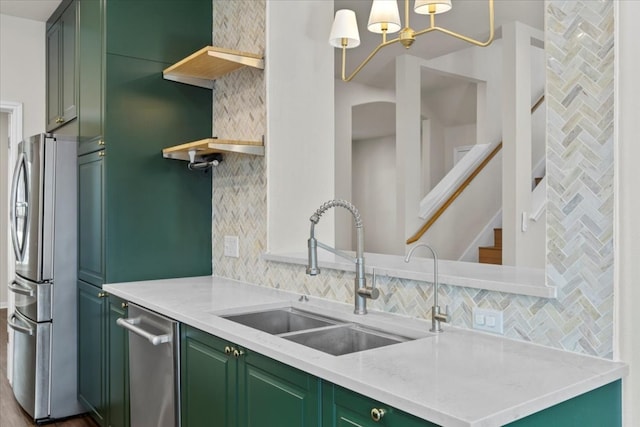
345,408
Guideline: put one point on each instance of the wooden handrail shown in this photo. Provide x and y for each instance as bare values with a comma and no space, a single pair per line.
462,186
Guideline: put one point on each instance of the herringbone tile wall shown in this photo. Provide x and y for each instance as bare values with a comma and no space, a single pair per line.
579,172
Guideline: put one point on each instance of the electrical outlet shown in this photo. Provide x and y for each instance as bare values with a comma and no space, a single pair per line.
232,246
488,320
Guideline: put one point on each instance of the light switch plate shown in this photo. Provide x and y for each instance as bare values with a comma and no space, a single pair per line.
232,246
485,319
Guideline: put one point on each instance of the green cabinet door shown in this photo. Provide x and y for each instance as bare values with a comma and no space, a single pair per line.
208,381
68,76
225,386
345,408
53,46
118,369
274,394
91,354
62,84
91,218
91,79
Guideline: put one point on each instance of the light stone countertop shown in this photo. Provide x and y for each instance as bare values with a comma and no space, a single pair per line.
457,378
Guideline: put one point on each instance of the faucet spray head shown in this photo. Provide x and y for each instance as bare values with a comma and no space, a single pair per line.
312,266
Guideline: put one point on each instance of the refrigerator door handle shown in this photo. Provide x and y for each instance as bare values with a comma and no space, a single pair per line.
13,206
16,327
22,290
131,325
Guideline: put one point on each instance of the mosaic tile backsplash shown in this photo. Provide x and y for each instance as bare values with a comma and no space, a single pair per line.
580,48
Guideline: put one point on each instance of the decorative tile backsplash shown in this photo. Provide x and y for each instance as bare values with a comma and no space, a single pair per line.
580,48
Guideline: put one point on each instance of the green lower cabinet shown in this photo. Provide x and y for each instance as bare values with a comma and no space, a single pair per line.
103,357
273,394
226,386
91,354
208,378
118,370
598,408
345,408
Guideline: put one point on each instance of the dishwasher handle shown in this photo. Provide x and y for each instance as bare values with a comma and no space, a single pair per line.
132,325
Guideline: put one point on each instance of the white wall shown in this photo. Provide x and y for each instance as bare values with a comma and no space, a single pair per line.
627,338
373,187
4,208
348,95
457,136
22,69
300,99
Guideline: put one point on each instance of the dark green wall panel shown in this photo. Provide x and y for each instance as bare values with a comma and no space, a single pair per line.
159,221
158,30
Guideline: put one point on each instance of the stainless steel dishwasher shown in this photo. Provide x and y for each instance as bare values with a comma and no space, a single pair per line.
153,368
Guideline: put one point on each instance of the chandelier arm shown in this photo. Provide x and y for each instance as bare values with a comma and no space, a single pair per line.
459,36
467,39
366,60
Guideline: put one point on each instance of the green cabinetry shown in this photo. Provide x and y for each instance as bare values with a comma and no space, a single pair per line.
140,216
103,356
62,69
227,386
344,408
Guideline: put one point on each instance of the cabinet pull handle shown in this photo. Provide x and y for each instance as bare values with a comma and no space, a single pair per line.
102,294
237,353
377,414
228,350
124,305
101,142
59,120
101,154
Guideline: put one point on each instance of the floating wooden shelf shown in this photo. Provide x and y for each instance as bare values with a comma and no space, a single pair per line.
209,63
207,146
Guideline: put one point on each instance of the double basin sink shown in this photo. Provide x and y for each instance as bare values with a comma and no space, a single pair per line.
327,334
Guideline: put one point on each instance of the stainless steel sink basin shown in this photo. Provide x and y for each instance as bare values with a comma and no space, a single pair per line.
345,339
327,334
282,320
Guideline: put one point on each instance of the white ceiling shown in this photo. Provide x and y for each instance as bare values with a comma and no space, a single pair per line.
37,10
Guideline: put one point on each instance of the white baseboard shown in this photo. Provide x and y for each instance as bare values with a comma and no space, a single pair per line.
3,305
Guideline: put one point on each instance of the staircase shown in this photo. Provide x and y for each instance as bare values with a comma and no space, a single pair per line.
492,254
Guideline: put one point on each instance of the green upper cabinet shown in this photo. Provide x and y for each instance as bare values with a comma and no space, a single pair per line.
62,67
90,81
146,29
155,215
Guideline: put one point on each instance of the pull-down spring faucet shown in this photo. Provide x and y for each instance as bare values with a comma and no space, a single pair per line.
362,292
436,315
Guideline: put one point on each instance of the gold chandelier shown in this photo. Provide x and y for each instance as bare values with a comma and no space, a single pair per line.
385,19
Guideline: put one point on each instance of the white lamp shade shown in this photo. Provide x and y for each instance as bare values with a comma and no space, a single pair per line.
344,27
384,13
424,7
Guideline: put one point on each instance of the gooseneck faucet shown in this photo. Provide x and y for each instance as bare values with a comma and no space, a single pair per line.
436,315
362,292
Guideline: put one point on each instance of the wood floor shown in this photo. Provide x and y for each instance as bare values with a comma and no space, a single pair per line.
11,415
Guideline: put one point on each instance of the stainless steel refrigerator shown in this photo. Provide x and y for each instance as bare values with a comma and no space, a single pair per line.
43,219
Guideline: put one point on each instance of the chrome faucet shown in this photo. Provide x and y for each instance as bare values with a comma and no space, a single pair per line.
436,315
362,292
